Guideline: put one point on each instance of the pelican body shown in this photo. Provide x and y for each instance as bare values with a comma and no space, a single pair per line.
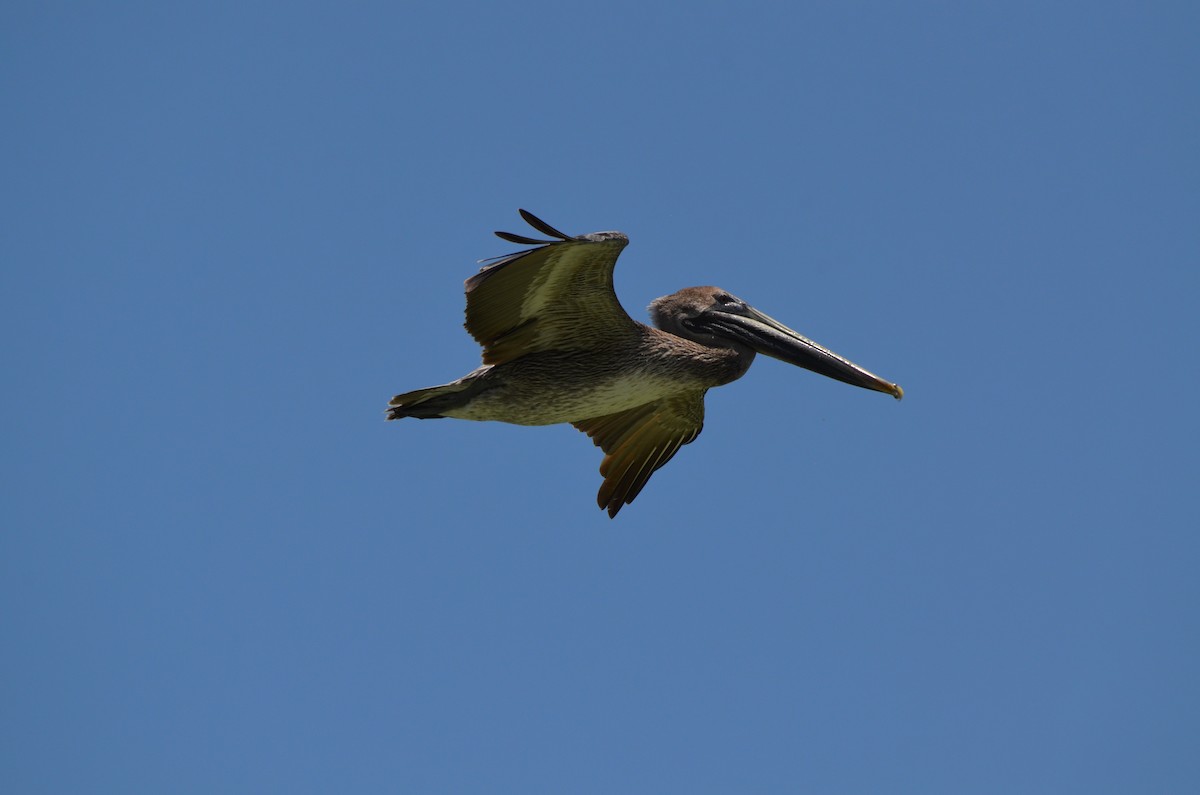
558,347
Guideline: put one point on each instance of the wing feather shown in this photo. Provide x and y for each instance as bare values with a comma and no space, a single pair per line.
542,226
639,441
521,239
557,296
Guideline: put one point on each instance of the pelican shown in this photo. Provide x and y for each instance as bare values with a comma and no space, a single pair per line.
558,347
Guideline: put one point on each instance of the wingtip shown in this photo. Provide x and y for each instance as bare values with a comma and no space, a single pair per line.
609,503
521,240
542,226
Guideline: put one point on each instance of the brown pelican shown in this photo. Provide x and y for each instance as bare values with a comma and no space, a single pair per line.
558,347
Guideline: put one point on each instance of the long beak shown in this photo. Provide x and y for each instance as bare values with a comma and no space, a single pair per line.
771,338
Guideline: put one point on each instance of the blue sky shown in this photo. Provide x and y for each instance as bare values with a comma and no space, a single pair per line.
233,231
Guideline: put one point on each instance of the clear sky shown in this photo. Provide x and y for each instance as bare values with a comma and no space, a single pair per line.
233,230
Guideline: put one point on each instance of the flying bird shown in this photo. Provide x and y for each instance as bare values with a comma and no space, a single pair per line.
558,347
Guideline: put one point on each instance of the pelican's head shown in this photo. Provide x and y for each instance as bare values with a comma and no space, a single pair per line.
712,316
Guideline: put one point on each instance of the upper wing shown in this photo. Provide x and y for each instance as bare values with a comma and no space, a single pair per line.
640,440
557,296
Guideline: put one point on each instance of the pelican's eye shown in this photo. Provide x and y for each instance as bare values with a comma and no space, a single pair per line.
727,301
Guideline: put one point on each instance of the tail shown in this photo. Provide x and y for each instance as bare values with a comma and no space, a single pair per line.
432,402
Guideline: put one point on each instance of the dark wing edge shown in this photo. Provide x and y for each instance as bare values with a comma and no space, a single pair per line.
640,441
537,223
524,240
542,226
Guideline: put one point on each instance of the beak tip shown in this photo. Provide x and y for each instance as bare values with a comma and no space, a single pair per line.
897,392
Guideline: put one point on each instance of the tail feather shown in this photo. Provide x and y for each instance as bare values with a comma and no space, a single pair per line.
424,404
432,402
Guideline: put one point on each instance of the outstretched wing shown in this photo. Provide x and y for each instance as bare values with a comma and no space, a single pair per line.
640,440
558,296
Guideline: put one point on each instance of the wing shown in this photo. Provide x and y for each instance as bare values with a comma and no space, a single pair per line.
555,297
640,440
